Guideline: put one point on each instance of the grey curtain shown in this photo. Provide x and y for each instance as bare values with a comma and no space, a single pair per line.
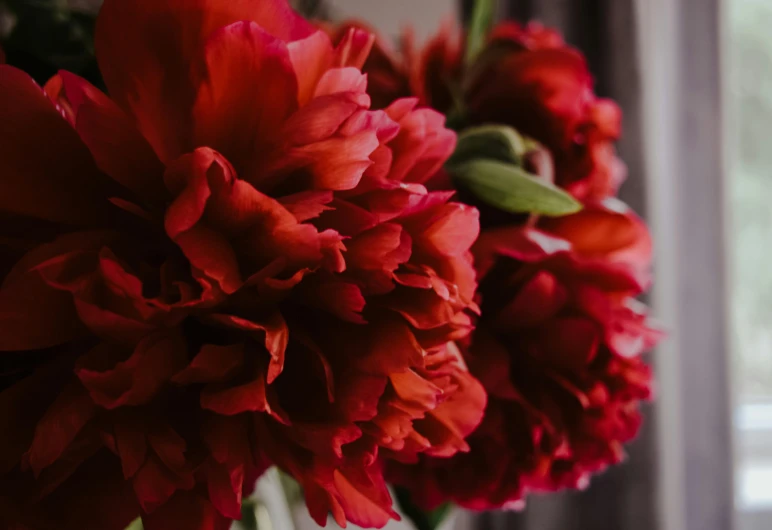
605,31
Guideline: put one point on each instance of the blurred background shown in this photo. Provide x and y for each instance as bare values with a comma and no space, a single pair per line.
694,78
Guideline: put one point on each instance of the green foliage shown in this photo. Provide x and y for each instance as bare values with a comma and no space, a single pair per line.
510,188
422,520
488,162
496,142
480,24
136,525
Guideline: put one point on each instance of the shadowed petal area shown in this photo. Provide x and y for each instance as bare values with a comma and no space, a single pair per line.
32,185
112,137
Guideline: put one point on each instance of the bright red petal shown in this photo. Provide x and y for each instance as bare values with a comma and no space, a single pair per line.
248,90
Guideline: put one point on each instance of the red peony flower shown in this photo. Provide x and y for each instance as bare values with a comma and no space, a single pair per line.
558,350
527,78
429,73
229,263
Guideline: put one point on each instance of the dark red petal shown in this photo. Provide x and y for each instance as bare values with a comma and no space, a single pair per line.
325,440
212,364
136,380
22,405
33,315
113,139
63,186
217,208
147,69
169,447
569,344
154,484
111,326
537,301
276,335
132,446
248,91
186,511
62,422
231,400
342,299
225,488
96,497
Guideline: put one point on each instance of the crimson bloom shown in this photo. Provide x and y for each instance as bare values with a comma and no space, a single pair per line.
527,78
558,350
228,263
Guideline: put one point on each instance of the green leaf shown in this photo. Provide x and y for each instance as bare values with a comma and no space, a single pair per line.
480,25
136,525
495,142
421,519
512,189
248,515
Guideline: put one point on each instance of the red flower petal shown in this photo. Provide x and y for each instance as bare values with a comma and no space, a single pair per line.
135,381
244,65
354,48
225,489
320,119
447,231
186,511
154,484
33,315
159,42
212,364
113,139
64,419
364,498
32,184
311,58
132,446
247,397
276,335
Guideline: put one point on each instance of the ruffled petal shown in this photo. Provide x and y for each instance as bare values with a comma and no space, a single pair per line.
147,69
136,380
243,65
32,184
113,139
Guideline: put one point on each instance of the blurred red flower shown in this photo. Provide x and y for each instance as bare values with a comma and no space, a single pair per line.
527,78
231,262
558,350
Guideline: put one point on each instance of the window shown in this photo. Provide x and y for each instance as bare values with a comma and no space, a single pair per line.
749,69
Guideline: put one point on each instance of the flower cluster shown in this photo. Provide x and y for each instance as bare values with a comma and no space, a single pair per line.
248,251
559,339
229,263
